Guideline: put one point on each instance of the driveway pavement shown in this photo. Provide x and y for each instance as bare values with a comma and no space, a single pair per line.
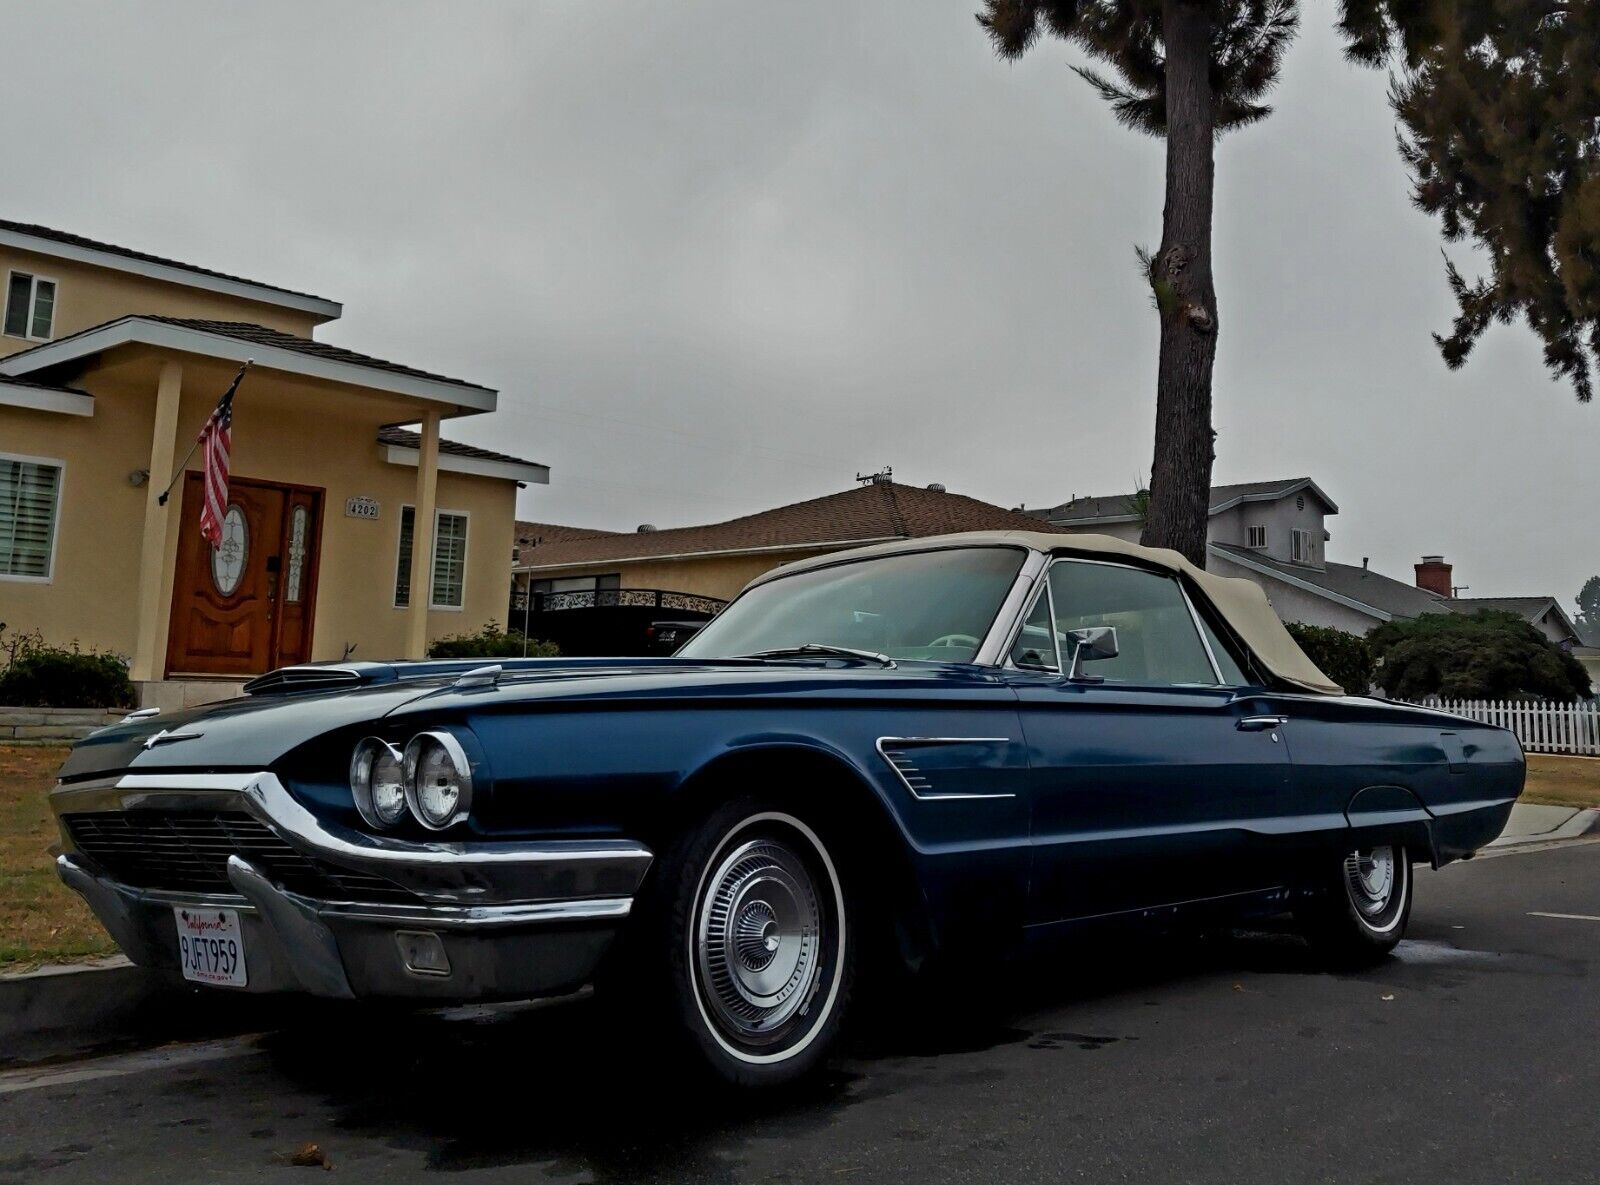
1471,1057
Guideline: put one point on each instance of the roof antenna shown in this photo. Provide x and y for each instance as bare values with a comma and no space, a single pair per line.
883,477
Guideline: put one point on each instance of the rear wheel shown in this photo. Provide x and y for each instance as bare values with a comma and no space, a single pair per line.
754,936
1364,904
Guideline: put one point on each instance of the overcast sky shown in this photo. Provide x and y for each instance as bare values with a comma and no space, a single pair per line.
722,256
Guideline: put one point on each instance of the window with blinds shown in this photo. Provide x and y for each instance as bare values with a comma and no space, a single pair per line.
449,560
30,492
447,583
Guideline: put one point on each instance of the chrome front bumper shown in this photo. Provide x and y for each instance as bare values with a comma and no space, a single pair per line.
514,919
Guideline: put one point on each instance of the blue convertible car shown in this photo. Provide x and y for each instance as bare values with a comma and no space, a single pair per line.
944,745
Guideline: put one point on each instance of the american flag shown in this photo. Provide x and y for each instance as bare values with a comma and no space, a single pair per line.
216,443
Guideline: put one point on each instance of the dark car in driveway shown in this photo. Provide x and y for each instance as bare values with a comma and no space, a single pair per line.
953,745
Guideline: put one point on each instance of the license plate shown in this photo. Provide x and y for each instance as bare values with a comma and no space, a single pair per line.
210,946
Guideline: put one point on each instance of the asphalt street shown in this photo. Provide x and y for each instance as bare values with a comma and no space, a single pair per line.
1469,1057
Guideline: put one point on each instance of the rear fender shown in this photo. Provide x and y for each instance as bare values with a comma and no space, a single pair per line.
1380,814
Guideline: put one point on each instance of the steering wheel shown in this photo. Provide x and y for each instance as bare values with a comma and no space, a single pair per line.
952,640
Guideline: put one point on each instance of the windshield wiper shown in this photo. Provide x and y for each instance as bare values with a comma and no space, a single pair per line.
819,648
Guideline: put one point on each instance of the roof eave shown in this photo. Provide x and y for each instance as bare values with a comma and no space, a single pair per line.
528,472
1093,522
140,331
1293,487
1304,585
61,401
319,307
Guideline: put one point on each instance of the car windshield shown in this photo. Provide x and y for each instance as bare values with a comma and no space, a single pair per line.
934,605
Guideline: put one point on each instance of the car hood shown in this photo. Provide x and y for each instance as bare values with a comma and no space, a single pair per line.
246,733
254,731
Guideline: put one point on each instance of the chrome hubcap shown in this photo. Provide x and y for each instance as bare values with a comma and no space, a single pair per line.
1370,879
759,938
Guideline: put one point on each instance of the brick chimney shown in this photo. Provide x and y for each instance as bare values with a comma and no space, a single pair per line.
1433,575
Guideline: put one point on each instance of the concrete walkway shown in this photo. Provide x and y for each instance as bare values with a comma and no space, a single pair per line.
1546,824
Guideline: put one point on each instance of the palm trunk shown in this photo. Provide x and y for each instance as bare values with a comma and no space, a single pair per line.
1180,474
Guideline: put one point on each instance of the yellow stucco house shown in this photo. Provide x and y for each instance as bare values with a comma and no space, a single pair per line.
348,533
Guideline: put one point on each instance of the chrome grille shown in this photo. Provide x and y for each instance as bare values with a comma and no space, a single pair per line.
187,852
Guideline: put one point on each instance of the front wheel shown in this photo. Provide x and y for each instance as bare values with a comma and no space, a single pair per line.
1361,911
759,943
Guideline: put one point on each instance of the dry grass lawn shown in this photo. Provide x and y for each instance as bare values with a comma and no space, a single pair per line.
1563,781
41,921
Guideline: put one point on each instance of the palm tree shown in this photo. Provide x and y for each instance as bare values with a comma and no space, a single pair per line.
1185,70
1500,131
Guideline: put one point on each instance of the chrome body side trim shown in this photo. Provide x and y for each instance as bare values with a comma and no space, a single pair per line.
910,777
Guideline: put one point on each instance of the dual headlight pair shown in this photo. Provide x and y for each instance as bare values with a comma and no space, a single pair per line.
431,777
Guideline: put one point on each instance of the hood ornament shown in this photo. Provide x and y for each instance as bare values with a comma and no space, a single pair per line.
167,737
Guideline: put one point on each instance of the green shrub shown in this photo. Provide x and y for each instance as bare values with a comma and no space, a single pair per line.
40,676
1487,655
1347,659
492,642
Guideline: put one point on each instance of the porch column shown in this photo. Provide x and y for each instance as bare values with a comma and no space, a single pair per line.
422,537
154,611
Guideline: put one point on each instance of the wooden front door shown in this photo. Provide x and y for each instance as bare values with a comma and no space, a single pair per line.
247,606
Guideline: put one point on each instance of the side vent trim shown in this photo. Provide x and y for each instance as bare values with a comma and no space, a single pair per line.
900,753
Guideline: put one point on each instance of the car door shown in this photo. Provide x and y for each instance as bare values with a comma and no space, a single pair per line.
1154,773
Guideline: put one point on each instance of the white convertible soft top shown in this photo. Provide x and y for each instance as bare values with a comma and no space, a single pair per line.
1241,603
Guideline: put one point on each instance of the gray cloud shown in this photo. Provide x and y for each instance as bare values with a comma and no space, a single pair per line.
720,256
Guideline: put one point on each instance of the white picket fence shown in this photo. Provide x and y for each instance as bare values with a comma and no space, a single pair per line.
1543,726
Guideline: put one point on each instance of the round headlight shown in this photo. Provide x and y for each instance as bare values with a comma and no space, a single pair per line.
438,779
378,782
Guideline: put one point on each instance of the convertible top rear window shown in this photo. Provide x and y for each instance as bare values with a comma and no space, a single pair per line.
932,605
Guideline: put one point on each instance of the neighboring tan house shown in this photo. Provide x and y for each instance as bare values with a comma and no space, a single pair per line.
687,573
1274,533
112,360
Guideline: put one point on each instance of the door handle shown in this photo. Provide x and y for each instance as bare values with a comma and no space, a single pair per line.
1260,723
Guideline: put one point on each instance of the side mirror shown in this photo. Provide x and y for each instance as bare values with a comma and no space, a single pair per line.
1089,644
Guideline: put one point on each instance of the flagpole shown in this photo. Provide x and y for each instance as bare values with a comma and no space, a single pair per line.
161,499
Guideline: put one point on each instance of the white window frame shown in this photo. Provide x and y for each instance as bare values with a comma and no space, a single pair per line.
399,533
1300,545
466,539
60,467
1251,532
33,299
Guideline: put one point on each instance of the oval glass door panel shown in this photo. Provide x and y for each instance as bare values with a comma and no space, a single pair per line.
228,559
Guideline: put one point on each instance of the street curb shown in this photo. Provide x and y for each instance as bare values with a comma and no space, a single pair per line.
83,999
78,1009
1559,824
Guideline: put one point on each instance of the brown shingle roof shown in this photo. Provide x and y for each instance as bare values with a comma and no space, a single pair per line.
530,534
401,438
881,510
262,336
72,240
